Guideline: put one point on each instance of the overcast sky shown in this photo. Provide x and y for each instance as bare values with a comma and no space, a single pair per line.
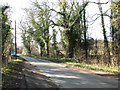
17,13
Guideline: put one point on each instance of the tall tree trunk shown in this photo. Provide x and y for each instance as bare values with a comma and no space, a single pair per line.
85,31
0,42
116,22
29,48
41,53
96,47
47,41
118,18
112,31
70,48
48,49
112,35
106,47
70,44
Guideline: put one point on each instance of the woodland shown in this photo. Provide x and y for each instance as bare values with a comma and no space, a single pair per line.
71,21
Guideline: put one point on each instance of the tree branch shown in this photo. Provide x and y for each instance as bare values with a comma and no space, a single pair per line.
58,12
57,24
99,2
79,14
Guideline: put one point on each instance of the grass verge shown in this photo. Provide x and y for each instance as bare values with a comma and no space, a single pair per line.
10,73
62,60
70,61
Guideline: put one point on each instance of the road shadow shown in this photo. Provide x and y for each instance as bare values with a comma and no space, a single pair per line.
34,78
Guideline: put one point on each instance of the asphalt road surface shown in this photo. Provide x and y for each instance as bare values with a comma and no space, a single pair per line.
68,78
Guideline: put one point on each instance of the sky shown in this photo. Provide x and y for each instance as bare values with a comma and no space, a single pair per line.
17,13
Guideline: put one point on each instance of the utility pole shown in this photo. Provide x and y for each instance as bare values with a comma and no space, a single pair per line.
15,42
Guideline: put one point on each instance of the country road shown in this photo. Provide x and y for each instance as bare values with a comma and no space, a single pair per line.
65,77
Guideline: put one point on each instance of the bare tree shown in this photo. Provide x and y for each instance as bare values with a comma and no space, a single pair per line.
68,21
85,32
106,47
